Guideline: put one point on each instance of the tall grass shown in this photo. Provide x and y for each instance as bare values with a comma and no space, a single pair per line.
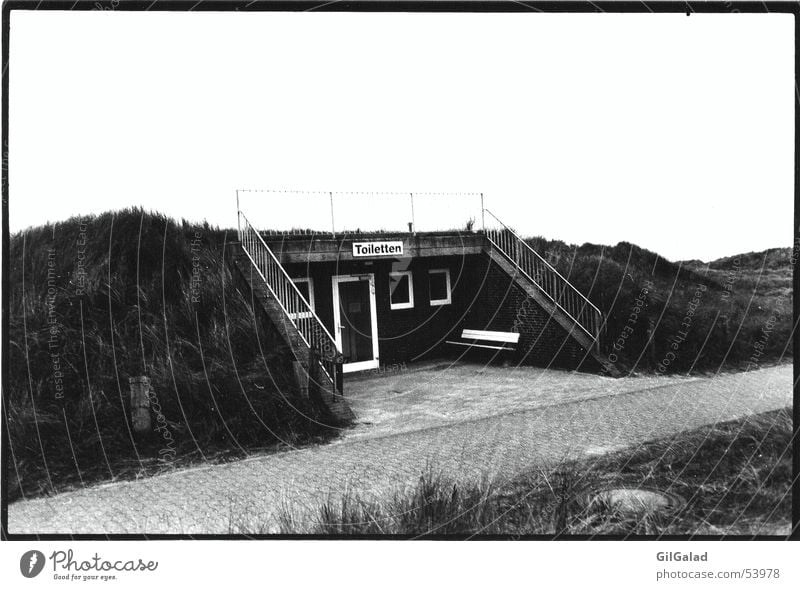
735,479
434,506
97,300
742,319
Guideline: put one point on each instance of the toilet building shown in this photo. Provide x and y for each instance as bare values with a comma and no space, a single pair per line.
392,298
352,300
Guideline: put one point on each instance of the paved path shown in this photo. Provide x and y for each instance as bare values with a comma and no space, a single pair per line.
414,397
246,495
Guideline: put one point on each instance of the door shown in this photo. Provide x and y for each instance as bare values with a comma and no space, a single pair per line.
356,321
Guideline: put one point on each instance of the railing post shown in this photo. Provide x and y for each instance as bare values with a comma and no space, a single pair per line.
238,216
413,219
333,225
483,215
337,369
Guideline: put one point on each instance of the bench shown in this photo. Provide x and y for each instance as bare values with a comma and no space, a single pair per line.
487,339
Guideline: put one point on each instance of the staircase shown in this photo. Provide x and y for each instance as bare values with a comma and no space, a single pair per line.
566,305
317,360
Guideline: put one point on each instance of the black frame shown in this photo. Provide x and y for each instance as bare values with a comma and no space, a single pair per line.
476,6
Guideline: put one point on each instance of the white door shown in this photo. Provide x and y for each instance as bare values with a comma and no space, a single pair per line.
356,321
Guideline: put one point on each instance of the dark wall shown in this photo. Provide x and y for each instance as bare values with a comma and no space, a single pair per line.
483,297
506,307
404,334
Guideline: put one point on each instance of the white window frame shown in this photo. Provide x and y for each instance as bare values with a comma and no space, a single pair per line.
410,303
449,299
305,314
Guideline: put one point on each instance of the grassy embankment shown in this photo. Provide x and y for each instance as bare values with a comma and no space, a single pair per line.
734,313
98,300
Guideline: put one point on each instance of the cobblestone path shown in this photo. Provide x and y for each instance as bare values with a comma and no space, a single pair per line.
246,495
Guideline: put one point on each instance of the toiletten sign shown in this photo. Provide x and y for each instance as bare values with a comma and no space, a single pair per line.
371,249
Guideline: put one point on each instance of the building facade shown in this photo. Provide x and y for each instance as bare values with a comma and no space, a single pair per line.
389,299
347,300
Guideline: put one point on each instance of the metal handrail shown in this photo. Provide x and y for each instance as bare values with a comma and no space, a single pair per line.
540,272
296,309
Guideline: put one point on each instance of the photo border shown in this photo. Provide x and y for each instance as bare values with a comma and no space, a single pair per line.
433,6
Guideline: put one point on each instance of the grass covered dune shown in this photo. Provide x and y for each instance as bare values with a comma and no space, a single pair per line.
96,300
734,313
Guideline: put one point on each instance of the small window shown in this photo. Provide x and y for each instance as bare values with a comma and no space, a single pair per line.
401,290
306,287
439,283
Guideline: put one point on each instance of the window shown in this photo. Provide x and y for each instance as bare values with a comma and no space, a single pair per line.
401,290
439,283
306,287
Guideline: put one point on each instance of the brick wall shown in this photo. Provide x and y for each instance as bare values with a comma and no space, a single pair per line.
504,306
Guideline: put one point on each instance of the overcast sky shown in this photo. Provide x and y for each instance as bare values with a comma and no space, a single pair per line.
672,132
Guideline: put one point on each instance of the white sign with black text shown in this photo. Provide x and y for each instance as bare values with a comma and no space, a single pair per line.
364,249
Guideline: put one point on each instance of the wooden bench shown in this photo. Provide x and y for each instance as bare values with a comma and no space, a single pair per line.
487,339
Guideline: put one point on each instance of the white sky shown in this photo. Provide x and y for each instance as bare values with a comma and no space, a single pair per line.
672,132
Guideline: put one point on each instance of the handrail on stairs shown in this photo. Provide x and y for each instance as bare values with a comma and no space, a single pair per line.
296,309
559,290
